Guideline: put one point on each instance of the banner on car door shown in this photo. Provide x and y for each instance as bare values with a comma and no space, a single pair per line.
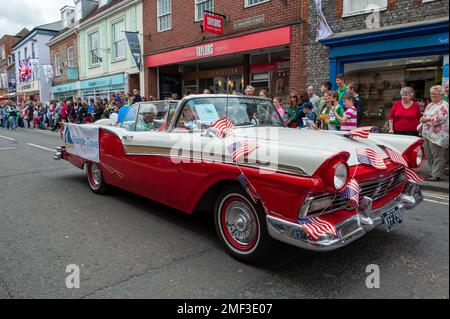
83,141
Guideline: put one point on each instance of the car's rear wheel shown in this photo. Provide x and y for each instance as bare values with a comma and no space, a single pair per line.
95,178
241,226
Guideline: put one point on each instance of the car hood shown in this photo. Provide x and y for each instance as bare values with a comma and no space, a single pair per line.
305,149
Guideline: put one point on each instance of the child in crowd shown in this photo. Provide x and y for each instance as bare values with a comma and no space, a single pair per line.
349,121
308,115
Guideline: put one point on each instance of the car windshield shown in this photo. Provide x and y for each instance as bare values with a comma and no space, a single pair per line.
242,111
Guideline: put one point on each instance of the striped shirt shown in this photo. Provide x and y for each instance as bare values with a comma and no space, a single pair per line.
352,115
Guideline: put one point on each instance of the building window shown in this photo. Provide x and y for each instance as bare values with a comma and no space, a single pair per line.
93,49
164,15
70,57
3,53
249,3
18,57
355,7
33,54
57,64
201,6
119,40
25,53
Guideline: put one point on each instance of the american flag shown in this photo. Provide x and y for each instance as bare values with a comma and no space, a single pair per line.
399,159
351,192
413,176
248,188
396,157
370,157
223,127
239,150
316,226
362,132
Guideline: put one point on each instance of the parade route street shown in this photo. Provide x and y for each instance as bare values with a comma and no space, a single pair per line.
130,247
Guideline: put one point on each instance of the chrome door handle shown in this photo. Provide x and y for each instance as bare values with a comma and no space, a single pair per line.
127,137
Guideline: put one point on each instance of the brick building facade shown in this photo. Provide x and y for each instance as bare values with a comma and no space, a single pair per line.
236,58
405,43
7,62
64,60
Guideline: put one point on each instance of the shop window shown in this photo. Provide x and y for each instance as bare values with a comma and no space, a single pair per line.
164,15
379,82
201,6
249,3
355,7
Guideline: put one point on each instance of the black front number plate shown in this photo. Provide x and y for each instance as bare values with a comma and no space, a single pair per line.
393,219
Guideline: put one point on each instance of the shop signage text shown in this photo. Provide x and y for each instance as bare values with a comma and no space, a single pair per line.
214,73
249,42
204,50
212,23
28,87
240,24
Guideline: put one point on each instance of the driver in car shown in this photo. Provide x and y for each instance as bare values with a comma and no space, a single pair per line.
147,121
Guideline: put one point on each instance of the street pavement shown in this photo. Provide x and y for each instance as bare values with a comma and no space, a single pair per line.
131,247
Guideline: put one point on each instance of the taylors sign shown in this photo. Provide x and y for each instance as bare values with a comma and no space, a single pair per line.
204,50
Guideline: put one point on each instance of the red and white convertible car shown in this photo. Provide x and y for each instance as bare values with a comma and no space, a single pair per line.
263,182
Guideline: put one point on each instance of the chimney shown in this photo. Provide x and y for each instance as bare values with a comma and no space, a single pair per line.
67,14
83,8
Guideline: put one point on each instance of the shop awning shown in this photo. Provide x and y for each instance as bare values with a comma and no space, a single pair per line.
249,42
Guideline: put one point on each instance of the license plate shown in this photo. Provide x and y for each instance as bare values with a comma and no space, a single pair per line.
392,219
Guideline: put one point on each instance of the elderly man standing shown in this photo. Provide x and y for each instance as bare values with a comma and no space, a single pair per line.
314,99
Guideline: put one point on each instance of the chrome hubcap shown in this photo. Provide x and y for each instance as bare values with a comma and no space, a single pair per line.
96,174
241,223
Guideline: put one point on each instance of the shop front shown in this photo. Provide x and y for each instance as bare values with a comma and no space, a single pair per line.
382,62
103,87
28,91
261,59
66,91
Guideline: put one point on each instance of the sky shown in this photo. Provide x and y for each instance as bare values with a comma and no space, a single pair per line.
18,14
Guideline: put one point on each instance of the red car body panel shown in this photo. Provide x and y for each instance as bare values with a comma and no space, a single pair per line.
182,185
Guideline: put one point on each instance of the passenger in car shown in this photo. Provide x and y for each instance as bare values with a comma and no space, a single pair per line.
146,121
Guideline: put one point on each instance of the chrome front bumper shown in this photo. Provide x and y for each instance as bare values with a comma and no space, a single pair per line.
348,230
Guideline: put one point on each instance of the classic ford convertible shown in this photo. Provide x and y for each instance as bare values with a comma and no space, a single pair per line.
318,190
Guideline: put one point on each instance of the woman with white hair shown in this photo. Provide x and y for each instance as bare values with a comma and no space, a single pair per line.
435,132
146,120
405,115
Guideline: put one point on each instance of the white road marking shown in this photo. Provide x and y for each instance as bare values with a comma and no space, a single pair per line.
7,148
436,195
7,138
435,201
41,147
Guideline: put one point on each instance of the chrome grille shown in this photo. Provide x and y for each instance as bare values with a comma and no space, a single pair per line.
381,187
375,189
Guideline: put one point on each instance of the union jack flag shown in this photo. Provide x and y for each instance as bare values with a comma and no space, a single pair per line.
223,127
239,150
369,157
351,192
248,188
316,227
362,132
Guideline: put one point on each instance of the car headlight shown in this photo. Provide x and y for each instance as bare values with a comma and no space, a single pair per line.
340,176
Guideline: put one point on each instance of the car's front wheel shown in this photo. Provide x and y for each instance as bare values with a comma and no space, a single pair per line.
95,178
241,226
